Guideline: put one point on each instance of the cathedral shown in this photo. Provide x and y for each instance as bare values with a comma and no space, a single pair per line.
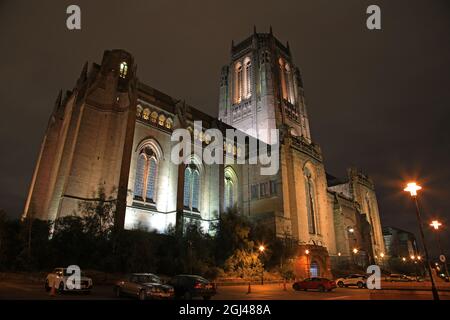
112,131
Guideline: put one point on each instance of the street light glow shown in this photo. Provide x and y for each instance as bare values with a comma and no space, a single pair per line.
404,259
412,188
355,251
382,255
261,248
307,251
413,258
435,224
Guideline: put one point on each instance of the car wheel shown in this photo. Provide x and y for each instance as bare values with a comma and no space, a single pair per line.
340,284
61,287
187,296
118,292
207,298
321,288
47,287
360,285
295,287
142,295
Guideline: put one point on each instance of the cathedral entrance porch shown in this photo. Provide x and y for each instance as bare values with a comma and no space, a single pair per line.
312,261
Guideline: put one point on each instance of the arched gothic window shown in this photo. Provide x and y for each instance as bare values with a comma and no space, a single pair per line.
230,188
191,196
146,176
310,202
238,83
287,81
248,78
123,69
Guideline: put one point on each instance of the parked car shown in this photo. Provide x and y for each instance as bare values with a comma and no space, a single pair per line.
58,279
357,280
315,283
191,286
394,277
143,286
444,277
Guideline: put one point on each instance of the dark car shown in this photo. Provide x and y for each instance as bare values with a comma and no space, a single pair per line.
321,284
143,286
191,286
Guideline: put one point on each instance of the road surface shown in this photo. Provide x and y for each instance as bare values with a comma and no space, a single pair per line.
20,289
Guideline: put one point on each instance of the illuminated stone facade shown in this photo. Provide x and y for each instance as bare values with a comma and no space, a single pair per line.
114,132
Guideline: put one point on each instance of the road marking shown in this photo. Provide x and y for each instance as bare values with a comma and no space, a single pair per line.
338,298
16,287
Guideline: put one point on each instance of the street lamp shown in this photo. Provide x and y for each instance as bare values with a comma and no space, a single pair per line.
307,262
261,249
412,188
382,259
436,224
355,252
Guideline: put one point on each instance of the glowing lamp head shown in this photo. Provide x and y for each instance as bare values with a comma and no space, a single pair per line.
382,255
306,251
412,188
419,257
261,248
355,251
435,224
403,259
413,258
339,254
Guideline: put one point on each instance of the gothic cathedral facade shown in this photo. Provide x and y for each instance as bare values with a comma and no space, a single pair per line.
114,132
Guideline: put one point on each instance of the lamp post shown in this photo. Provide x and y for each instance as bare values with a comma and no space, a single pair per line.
412,188
261,250
436,224
307,262
382,259
355,252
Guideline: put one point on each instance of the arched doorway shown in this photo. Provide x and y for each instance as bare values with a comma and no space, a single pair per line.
314,269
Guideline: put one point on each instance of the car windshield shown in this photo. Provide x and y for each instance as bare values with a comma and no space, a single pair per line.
147,278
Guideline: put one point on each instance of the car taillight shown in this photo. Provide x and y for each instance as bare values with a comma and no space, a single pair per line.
198,285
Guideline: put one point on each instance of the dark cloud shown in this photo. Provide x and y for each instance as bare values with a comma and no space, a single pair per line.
377,99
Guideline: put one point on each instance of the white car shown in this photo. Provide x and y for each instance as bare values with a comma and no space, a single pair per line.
59,277
357,280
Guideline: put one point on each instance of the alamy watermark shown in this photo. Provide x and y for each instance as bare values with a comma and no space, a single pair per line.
374,280
251,150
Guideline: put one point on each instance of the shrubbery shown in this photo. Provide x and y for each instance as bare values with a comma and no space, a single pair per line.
91,242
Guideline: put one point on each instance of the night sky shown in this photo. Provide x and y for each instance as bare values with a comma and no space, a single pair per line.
377,100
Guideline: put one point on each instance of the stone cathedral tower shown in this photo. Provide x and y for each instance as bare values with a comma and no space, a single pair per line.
262,89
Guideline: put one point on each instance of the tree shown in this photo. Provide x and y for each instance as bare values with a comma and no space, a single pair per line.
98,213
245,264
232,233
